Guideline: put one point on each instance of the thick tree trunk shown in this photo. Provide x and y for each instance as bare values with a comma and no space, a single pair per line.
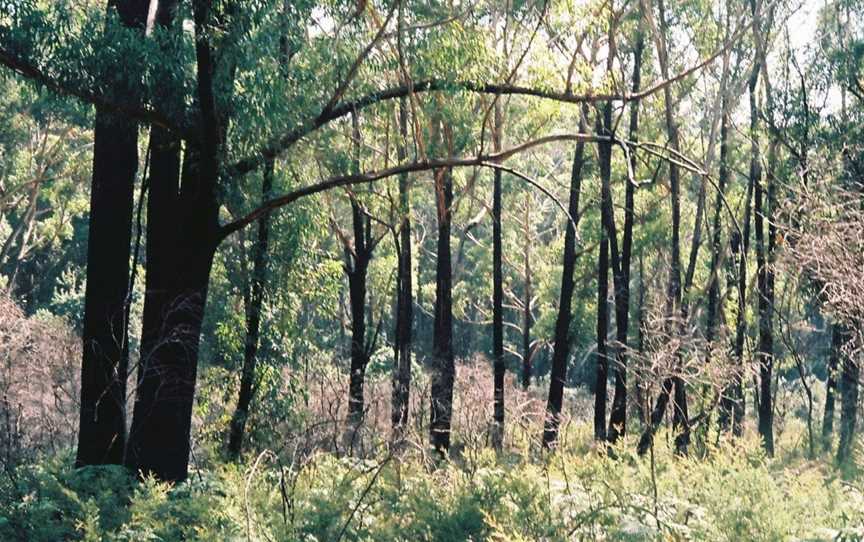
174,312
561,349
159,438
837,341
443,368
104,365
499,368
404,303
255,300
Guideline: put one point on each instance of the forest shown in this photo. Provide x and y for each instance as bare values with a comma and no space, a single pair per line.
431,270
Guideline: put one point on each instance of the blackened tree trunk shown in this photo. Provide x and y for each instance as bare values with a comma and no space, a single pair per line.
497,295
404,301
618,417
765,349
443,362
561,349
104,365
600,393
357,268
733,399
255,301
159,442
849,374
837,341
528,293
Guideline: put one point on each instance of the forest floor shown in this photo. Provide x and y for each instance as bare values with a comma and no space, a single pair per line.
724,491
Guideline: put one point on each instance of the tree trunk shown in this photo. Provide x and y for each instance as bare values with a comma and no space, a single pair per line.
404,303
104,364
255,299
600,394
527,316
497,295
673,300
159,442
837,341
618,417
357,268
443,362
713,312
765,349
561,349
849,374
159,437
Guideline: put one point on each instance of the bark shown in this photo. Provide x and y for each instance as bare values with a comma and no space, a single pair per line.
561,349
831,385
733,400
104,364
600,393
639,388
764,353
159,442
357,268
618,417
255,299
499,368
528,293
443,362
404,303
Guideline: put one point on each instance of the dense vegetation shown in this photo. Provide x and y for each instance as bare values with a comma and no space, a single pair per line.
400,270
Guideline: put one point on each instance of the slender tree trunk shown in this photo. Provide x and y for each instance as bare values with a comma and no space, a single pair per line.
104,364
765,348
673,304
357,269
739,246
527,315
639,388
405,300
444,368
253,321
713,312
600,394
837,341
499,368
849,374
561,349
618,417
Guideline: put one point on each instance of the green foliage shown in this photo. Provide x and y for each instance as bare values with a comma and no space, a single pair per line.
733,493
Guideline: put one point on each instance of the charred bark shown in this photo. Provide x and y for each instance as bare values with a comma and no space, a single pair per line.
561,349
104,364
255,299
443,361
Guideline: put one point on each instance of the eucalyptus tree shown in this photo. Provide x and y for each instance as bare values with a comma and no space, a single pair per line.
102,424
218,93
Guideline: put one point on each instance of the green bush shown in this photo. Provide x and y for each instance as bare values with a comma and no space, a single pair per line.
732,492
